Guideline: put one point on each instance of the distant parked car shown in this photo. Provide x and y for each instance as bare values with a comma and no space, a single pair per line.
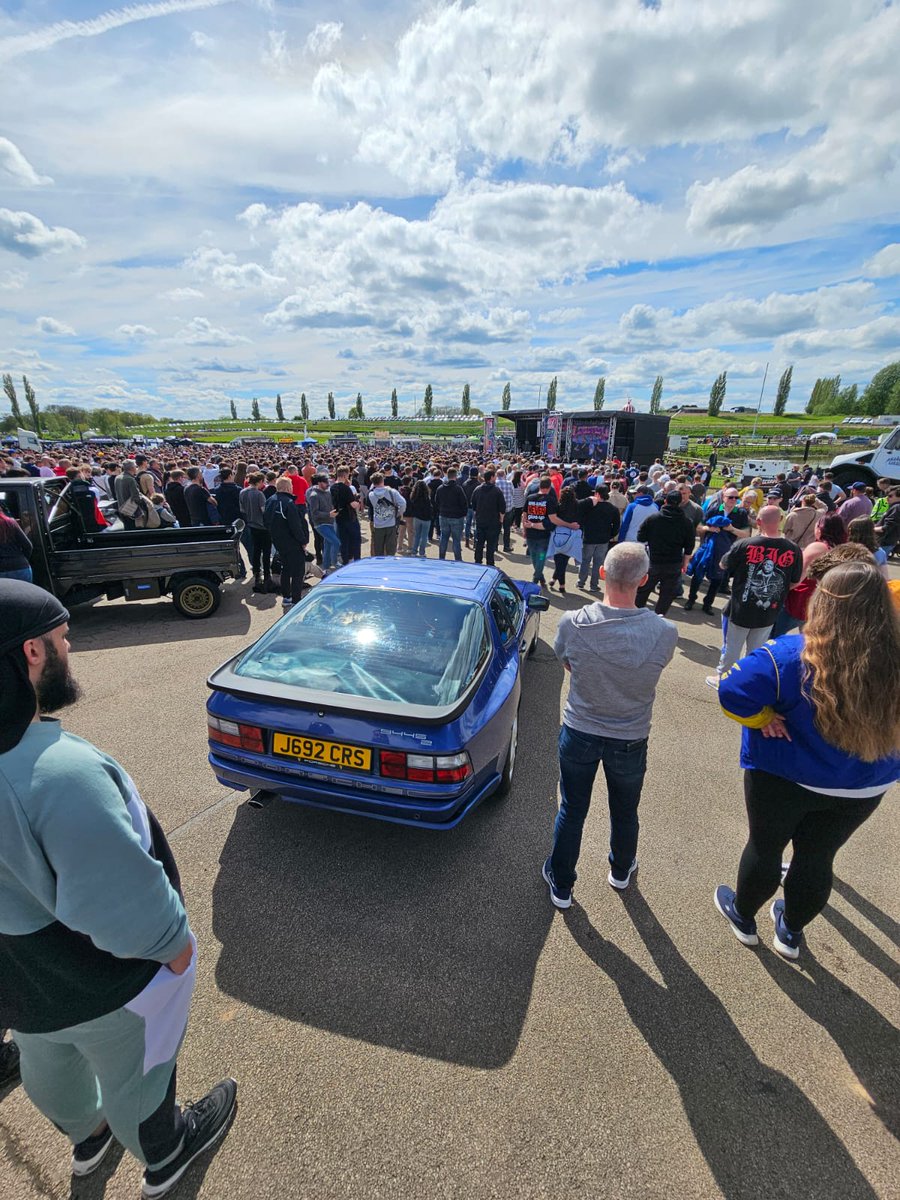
392,691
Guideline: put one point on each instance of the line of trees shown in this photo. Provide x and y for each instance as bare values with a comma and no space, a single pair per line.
882,395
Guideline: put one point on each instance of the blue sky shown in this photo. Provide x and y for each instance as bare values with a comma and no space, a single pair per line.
203,200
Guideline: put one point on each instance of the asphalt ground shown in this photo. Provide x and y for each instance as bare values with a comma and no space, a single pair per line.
408,1016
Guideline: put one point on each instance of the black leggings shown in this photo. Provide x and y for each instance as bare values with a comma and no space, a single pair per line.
780,812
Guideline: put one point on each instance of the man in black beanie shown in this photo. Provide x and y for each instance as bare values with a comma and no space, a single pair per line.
96,954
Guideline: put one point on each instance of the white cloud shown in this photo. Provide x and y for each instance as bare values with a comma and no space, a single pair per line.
136,332
25,234
201,40
201,332
452,273
49,35
224,271
53,327
17,166
729,320
324,38
881,334
13,281
885,263
276,55
182,293
561,316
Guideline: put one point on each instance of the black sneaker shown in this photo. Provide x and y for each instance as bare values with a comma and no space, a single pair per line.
9,1063
206,1122
89,1154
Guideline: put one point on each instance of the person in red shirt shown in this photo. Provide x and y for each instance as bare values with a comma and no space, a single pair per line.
556,479
299,485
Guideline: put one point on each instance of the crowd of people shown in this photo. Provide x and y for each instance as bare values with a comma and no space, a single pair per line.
97,957
461,501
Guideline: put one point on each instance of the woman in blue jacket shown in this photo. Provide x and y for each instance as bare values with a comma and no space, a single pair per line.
821,746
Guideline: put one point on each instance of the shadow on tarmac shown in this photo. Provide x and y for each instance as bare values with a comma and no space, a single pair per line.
888,926
151,622
415,940
869,1042
758,1132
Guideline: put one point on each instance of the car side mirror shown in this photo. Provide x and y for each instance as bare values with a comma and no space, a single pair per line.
538,603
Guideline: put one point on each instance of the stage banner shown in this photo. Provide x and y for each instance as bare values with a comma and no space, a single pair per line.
489,435
589,439
550,442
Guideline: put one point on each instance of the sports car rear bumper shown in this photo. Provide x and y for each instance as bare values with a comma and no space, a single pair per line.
367,800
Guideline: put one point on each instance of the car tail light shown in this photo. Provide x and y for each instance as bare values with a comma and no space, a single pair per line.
233,733
425,768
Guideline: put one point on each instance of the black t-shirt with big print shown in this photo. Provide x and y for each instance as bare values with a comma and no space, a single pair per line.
763,569
540,506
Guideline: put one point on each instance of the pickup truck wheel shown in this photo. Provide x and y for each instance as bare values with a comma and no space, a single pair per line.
196,597
849,474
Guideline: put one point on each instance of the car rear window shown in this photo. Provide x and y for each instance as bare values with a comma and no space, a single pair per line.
400,647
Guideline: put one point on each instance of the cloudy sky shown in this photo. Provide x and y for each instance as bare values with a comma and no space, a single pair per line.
207,199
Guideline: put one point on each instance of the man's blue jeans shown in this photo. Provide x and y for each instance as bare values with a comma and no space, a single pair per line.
537,552
470,520
451,527
331,546
624,765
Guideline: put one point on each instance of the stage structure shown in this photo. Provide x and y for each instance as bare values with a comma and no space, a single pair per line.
578,436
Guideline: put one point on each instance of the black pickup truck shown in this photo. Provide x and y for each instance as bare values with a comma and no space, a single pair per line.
79,563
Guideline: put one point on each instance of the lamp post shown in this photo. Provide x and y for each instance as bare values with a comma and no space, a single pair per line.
759,406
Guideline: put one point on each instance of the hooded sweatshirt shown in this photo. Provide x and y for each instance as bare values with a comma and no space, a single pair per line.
634,516
616,656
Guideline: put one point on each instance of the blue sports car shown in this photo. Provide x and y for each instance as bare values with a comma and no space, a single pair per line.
392,691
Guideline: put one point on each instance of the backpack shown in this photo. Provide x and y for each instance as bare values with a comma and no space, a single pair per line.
146,516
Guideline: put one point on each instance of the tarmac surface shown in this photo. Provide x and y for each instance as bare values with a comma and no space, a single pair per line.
407,1015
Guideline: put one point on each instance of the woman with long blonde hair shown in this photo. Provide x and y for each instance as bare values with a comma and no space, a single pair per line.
821,746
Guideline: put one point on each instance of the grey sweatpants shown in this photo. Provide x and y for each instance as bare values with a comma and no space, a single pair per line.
120,1067
738,641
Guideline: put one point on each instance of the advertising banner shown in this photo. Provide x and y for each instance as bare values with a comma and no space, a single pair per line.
550,442
489,435
589,439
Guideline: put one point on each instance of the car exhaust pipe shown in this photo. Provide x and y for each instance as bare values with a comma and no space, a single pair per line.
261,799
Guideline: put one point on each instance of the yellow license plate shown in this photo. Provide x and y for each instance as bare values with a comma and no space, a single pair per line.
329,754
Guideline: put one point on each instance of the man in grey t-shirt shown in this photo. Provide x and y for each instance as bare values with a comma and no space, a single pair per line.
615,654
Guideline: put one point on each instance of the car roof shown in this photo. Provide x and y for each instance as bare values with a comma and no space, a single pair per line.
440,577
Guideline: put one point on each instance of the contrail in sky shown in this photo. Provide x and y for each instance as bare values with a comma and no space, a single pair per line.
60,31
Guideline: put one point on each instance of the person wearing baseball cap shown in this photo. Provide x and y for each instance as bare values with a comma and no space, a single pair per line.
96,954
856,505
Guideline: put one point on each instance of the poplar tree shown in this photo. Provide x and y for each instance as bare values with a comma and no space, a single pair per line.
784,390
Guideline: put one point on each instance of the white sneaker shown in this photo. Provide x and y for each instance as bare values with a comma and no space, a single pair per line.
712,681
621,884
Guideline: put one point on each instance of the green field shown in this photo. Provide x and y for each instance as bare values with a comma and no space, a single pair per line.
694,426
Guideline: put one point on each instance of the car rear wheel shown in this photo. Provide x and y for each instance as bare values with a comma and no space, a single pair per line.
196,597
506,779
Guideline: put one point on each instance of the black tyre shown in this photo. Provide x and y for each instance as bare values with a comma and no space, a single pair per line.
848,474
506,779
196,597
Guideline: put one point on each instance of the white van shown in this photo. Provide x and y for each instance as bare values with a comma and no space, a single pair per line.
870,465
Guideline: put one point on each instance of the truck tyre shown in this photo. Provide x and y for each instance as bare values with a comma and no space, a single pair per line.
196,596
848,474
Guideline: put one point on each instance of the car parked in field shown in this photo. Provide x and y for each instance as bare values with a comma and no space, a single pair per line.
392,690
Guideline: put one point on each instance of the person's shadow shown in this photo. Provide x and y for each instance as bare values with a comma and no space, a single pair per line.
416,940
758,1132
868,1041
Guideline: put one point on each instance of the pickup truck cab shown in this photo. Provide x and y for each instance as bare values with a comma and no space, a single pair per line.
79,563
868,466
